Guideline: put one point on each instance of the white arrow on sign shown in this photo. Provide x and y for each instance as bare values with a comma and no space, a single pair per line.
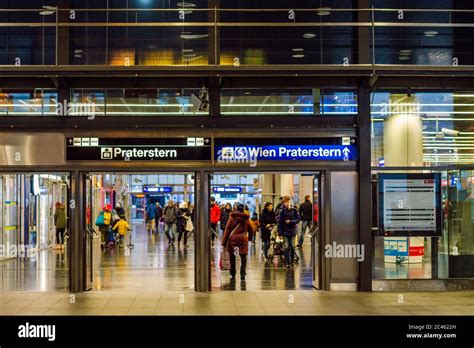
70,141
346,151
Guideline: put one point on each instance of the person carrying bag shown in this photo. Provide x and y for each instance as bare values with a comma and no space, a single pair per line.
224,261
235,240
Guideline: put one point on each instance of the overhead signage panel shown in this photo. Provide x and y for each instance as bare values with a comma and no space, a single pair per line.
227,189
138,149
410,205
157,189
293,149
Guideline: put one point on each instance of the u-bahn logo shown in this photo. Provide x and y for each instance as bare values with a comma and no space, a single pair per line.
106,153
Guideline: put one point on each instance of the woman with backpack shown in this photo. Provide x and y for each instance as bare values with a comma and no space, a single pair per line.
103,222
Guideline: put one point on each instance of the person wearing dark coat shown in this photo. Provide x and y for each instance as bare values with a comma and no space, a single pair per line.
267,218
183,212
236,238
288,220
158,216
225,215
306,214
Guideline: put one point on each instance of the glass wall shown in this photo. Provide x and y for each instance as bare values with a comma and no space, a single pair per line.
157,33
136,102
422,129
34,102
432,130
288,102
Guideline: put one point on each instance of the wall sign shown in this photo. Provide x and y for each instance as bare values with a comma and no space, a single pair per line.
232,150
157,189
227,189
138,149
409,204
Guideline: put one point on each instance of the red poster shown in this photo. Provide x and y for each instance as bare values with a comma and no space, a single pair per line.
417,251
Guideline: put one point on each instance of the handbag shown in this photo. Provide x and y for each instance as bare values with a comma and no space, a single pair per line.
100,220
189,224
224,260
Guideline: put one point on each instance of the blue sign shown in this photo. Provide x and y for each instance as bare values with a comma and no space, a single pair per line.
286,152
227,189
156,189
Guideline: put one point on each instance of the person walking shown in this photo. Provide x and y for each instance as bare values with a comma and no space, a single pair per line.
267,220
170,217
278,207
60,223
181,221
236,238
215,215
158,216
225,215
103,222
122,227
120,211
150,217
306,214
288,219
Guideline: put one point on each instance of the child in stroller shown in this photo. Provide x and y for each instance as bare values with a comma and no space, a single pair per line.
277,246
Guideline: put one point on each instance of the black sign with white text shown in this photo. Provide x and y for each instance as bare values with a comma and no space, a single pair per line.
138,149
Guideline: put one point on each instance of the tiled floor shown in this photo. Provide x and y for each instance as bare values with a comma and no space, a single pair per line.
298,302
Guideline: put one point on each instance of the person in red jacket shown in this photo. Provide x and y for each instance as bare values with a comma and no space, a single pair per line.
215,216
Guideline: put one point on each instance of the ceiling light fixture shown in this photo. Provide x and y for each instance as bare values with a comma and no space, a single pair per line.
431,33
324,11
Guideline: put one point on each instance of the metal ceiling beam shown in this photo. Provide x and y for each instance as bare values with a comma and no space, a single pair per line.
175,122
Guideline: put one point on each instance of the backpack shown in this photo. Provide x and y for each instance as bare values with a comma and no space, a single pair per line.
100,220
107,218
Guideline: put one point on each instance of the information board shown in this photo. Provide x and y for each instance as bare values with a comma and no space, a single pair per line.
232,150
138,149
409,204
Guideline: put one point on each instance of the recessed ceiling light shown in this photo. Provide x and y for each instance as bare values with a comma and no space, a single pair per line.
46,13
297,49
405,51
298,55
186,4
324,11
185,50
431,33
193,36
403,57
309,35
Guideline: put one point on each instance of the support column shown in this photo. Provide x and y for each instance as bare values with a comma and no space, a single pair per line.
363,38
286,185
268,194
214,97
306,187
202,255
214,37
76,234
365,189
63,33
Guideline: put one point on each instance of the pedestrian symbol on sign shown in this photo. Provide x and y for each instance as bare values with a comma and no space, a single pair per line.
106,153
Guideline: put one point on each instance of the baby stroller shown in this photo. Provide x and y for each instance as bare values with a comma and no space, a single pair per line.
277,246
